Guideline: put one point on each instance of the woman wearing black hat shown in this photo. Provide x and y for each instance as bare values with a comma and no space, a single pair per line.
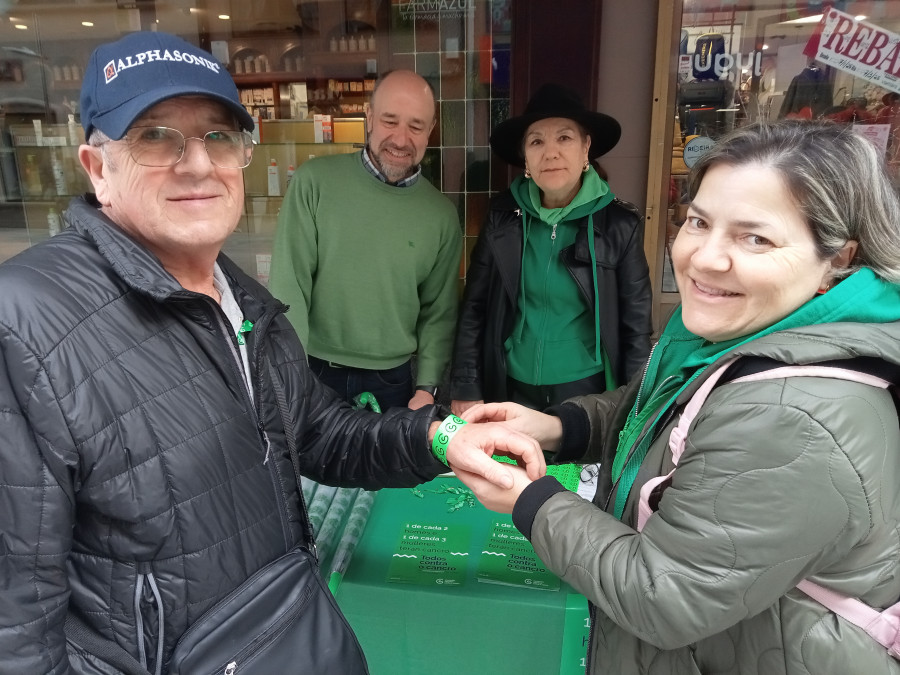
557,299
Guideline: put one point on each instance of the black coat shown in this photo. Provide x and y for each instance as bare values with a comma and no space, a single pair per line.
488,312
131,453
809,88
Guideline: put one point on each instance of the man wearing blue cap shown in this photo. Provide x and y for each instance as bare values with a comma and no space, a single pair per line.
153,397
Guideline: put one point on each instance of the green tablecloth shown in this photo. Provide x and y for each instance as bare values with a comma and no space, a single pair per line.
431,615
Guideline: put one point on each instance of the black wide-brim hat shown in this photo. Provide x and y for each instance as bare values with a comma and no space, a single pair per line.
553,100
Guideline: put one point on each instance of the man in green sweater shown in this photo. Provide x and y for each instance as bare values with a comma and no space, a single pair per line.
367,256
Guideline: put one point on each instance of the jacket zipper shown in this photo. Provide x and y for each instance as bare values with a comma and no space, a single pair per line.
146,592
261,328
238,368
662,423
236,360
637,407
256,357
539,356
290,440
637,400
263,641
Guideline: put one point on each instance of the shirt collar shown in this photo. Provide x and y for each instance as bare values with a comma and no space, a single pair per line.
370,166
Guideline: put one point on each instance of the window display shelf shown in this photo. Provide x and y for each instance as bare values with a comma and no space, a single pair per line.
42,167
269,78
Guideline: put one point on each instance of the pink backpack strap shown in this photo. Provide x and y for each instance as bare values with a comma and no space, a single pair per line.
817,371
676,442
678,435
883,627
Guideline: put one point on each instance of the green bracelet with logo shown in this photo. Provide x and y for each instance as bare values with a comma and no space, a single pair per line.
444,433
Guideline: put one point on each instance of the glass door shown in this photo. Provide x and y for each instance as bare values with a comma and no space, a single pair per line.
723,64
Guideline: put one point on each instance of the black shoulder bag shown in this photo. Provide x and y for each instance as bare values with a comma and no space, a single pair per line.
283,619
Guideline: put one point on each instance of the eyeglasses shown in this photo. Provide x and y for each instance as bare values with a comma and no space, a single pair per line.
162,146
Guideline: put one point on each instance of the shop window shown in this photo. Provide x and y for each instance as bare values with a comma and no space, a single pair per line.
291,60
738,63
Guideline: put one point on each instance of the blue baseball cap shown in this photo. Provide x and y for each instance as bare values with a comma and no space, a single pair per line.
126,77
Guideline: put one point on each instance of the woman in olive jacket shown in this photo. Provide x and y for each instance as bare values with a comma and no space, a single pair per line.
557,297
787,257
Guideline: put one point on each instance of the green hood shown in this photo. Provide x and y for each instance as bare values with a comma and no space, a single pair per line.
593,196
680,356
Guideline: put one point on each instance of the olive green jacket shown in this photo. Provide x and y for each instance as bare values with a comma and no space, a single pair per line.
780,480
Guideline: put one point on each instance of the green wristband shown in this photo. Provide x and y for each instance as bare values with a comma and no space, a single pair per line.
444,433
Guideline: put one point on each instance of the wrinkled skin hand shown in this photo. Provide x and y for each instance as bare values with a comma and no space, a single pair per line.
493,497
471,447
420,399
459,407
545,429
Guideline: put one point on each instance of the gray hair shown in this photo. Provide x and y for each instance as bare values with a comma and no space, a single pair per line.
837,178
98,139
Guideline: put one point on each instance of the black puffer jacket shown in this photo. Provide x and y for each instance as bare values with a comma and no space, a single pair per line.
488,311
131,454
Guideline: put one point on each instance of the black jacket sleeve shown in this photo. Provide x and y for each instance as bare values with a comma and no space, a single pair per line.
635,304
467,371
36,518
338,445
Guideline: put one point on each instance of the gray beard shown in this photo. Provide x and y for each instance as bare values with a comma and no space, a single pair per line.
390,174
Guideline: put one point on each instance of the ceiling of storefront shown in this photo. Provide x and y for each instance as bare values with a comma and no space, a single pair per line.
43,21
713,12
40,21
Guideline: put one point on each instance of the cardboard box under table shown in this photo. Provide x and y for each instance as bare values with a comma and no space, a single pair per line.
440,585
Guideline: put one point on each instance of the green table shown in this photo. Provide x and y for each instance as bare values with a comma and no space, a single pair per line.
430,614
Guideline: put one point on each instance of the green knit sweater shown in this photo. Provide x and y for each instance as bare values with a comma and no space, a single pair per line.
370,270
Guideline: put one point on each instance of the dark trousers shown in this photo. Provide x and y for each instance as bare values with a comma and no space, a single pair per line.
540,396
391,387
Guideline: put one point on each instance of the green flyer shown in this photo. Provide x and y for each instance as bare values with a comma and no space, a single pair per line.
508,558
430,554
567,474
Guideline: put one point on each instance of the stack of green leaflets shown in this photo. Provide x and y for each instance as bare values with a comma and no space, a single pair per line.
326,537
567,474
332,519
308,486
430,553
356,523
507,558
318,507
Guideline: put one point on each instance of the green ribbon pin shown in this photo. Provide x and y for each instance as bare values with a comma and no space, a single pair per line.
245,328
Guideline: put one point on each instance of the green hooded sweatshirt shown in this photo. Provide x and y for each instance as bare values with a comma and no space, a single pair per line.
556,338
680,356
